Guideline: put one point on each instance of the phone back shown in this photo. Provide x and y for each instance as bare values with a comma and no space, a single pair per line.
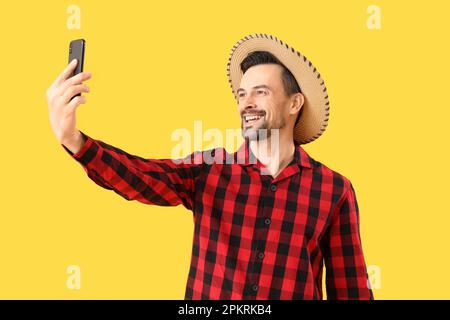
76,51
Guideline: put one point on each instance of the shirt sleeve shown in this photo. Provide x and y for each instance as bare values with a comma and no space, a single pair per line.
165,182
346,273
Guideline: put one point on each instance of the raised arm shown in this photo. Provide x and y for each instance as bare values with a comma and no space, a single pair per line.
152,181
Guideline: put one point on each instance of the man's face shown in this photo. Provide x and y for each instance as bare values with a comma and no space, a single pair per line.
263,102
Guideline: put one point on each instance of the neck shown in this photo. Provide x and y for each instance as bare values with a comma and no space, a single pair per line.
275,154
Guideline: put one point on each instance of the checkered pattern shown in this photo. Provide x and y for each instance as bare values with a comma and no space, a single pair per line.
256,237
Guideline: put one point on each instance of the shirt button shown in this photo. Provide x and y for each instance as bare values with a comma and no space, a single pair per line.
267,221
273,187
261,255
255,287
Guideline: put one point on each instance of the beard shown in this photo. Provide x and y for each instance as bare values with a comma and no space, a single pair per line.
262,130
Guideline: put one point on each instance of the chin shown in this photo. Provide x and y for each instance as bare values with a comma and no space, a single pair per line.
254,134
250,134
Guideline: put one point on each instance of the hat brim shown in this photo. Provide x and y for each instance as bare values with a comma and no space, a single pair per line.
316,108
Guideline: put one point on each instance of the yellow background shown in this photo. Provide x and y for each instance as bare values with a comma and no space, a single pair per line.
159,66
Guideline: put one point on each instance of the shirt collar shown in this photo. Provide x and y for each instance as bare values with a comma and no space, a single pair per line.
245,157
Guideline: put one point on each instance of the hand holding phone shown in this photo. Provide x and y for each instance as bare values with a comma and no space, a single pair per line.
64,97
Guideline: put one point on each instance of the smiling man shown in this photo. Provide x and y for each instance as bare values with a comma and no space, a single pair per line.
269,220
270,105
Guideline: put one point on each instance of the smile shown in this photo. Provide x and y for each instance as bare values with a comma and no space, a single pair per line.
251,118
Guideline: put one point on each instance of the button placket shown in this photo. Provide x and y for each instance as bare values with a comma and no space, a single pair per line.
258,254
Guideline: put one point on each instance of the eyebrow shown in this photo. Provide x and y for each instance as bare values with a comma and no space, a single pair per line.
255,87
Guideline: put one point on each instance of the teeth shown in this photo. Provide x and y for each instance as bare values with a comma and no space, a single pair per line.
251,118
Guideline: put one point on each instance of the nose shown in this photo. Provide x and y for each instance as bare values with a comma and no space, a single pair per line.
247,103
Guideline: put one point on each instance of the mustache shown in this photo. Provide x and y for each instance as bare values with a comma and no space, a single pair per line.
252,113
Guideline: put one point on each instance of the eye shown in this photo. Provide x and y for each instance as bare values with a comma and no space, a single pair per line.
240,95
260,91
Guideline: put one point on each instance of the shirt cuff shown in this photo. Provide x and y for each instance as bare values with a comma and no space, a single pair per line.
83,155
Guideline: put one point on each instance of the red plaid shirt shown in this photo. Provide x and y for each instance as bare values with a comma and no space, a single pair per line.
256,237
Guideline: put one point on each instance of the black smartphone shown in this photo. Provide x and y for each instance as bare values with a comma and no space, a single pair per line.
76,51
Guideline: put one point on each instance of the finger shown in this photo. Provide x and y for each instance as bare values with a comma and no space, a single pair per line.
75,102
68,70
77,79
73,91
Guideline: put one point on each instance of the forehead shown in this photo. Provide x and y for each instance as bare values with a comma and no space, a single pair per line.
269,74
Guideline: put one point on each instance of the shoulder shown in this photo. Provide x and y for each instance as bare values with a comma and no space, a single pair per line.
340,183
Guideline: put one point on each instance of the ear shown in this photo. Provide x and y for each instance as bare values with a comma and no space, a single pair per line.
298,99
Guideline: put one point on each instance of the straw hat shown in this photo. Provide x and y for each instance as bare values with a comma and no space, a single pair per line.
316,109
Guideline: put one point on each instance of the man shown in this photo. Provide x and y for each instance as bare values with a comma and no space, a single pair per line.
264,228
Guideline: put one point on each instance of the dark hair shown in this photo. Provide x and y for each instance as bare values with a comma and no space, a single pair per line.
263,57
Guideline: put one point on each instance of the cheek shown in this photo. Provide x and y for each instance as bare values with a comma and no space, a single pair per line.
273,113
283,112
239,108
272,118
